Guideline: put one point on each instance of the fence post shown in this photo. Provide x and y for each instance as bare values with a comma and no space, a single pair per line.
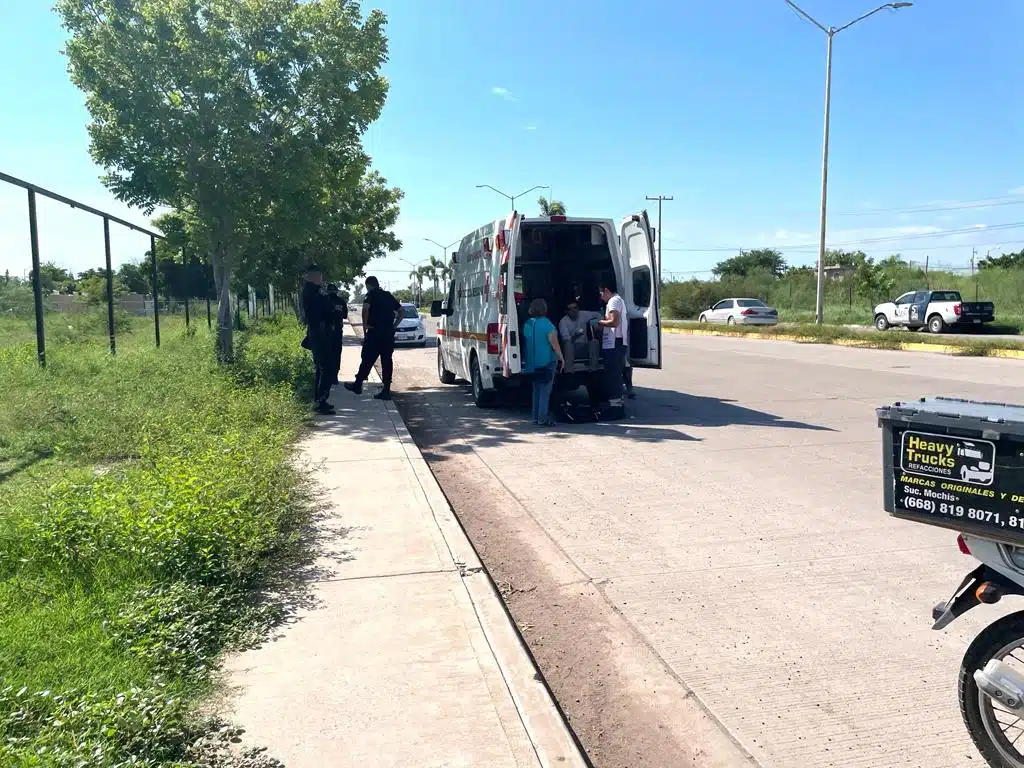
184,264
37,279
156,298
110,286
209,312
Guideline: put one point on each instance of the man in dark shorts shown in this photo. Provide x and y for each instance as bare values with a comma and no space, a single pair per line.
613,347
381,315
316,310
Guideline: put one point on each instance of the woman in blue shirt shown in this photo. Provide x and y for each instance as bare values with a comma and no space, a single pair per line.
543,357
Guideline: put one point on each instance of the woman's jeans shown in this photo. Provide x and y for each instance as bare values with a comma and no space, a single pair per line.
542,397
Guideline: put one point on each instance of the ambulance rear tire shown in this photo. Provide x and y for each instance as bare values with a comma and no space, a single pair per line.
446,376
481,397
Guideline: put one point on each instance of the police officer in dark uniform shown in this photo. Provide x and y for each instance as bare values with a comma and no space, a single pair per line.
317,311
336,329
381,315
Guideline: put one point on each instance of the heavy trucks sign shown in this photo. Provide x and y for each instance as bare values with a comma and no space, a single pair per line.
968,484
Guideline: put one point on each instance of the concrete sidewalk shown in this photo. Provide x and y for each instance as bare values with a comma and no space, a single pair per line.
406,656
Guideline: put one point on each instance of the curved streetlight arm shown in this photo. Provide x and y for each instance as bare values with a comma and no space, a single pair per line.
893,6
830,31
488,186
444,248
808,16
539,186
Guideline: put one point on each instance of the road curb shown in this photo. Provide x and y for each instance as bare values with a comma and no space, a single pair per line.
553,741
905,346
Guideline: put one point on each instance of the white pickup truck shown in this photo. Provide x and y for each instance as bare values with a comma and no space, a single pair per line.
934,310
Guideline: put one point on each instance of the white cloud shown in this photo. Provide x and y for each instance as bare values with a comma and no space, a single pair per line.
504,93
1016,191
531,128
785,236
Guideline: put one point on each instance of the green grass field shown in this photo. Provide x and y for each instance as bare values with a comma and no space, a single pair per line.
144,501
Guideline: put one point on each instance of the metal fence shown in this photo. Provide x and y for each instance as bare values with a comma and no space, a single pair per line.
140,305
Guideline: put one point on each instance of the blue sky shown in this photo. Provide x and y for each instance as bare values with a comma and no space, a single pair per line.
718,104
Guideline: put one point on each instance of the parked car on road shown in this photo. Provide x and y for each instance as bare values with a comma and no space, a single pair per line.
411,329
741,312
935,310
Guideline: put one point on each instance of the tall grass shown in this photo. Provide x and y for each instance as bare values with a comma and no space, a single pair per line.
144,499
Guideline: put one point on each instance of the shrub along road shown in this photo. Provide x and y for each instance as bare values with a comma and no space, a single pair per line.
719,566
142,499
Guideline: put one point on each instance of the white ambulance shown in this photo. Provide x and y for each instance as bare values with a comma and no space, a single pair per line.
501,267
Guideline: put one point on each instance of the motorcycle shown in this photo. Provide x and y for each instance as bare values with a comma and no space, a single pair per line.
991,680
959,464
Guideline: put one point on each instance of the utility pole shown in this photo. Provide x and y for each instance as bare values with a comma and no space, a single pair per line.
661,234
830,33
974,253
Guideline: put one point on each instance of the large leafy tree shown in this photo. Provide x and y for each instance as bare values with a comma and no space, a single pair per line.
245,117
752,262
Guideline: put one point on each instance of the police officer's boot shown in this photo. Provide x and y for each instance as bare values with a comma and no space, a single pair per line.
384,394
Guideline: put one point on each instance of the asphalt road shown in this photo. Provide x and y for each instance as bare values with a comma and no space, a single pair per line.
713,582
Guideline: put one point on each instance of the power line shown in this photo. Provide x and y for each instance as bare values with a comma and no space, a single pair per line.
868,241
994,202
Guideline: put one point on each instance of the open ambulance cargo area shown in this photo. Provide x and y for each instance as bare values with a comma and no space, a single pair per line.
957,464
500,268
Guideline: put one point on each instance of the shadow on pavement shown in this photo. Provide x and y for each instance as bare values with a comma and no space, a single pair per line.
662,406
445,421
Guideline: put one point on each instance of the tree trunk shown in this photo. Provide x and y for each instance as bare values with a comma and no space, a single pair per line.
222,280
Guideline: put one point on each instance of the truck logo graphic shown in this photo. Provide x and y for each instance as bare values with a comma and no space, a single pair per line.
948,457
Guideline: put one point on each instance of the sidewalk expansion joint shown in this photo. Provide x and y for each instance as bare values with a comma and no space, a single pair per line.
372,576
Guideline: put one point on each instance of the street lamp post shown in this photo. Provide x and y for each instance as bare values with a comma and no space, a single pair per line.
444,250
512,198
419,286
830,32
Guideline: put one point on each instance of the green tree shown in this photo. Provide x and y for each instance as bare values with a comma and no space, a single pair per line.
1006,261
134,277
755,261
551,208
93,285
53,278
245,117
874,282
841,258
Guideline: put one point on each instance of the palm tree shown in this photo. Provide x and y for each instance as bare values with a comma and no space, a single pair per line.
551,208
446,274
416,280
435,267
424,271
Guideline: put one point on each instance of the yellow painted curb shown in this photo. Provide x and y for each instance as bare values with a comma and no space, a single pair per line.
1014,354
907,346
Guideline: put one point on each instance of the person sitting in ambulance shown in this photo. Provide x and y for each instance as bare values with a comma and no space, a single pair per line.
575,335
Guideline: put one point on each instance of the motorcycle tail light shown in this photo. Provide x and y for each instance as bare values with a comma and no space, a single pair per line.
962,544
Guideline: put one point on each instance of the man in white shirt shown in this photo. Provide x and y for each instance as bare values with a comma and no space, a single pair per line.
613,346
573,329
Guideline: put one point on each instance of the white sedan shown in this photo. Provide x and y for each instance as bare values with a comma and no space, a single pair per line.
411,329
740,312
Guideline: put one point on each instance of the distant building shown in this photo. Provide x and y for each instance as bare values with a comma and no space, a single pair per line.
839,271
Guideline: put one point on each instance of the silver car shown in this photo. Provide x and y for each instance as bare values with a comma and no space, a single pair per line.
740,312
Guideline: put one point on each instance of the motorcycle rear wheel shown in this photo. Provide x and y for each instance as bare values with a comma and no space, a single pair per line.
993,728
